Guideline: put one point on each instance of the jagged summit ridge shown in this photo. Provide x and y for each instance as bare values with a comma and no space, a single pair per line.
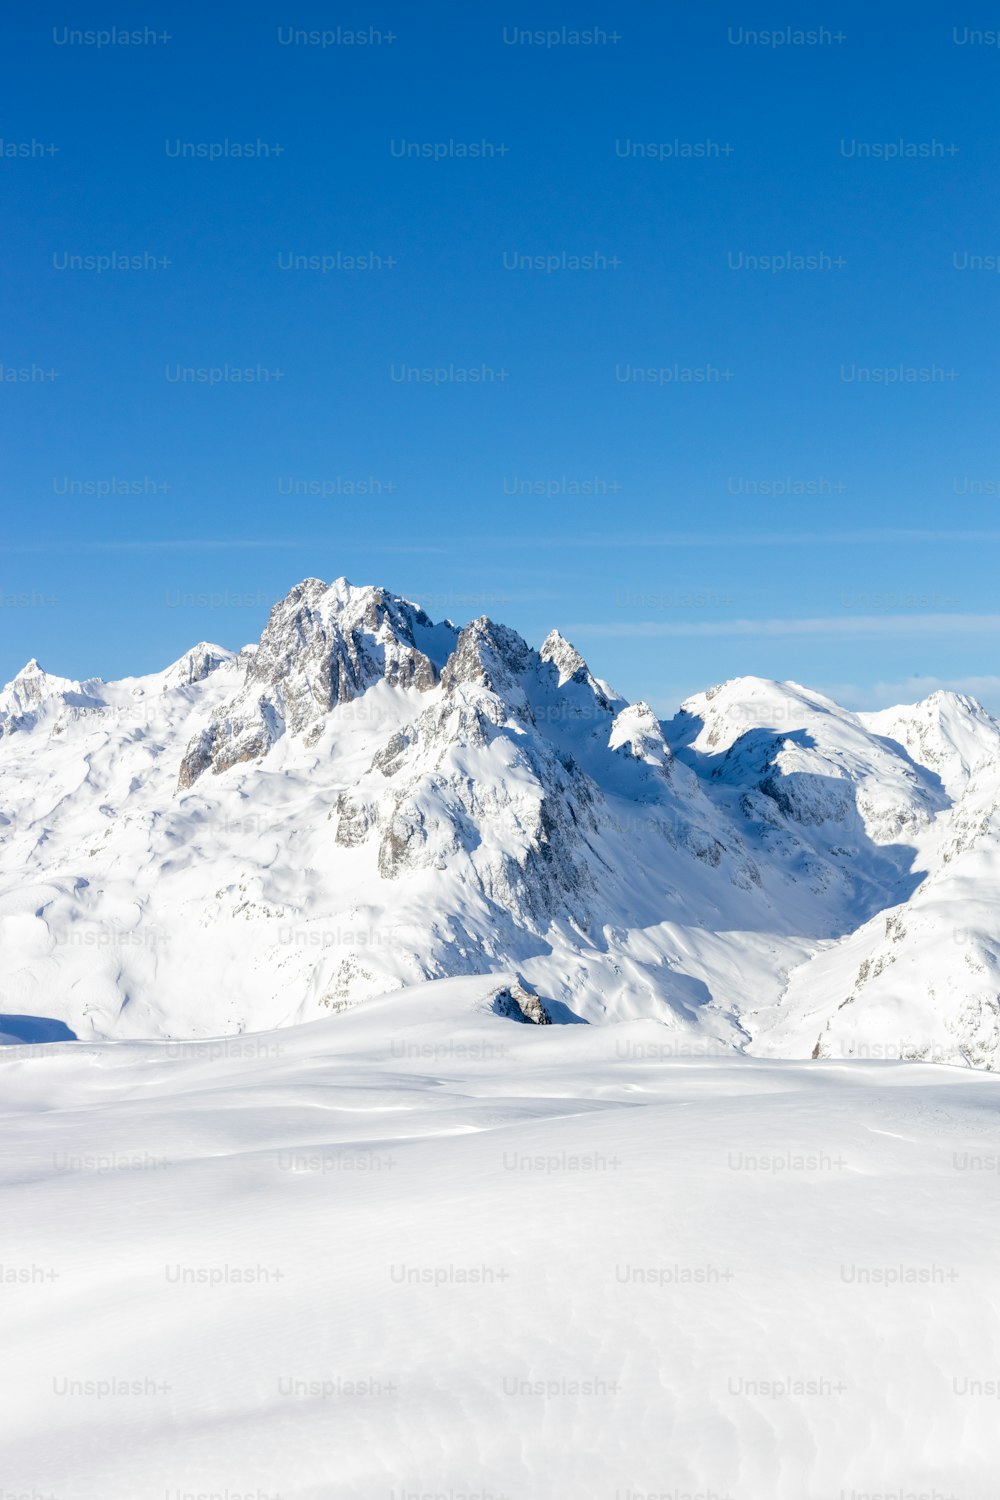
323,646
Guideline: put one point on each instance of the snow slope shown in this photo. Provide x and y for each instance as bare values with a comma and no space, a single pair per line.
365,800
422,1249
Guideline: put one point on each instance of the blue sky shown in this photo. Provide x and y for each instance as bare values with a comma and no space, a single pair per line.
694,463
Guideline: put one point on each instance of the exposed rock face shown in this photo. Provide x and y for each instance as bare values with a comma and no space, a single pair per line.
535,803
520,1003
195,665
807,800
564,657
354,819
34,689
485,781
571,667
228,740
949,733
636,732
493,657
323,646
31,685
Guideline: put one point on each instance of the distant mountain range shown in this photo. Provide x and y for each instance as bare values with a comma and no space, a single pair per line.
366,800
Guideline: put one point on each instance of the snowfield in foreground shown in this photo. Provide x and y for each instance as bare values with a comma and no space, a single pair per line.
419,1248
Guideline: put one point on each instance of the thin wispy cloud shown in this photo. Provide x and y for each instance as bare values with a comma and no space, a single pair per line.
902,625
985,687
729,540
604,541
205,544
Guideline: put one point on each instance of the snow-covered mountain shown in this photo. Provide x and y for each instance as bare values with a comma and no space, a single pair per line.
366,800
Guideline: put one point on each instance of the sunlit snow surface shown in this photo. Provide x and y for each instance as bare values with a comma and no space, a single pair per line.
418,1248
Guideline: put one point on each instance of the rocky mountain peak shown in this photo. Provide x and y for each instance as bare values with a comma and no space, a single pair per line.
489,656
948,732
195,665
565,657
323,646
637,732
29,689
